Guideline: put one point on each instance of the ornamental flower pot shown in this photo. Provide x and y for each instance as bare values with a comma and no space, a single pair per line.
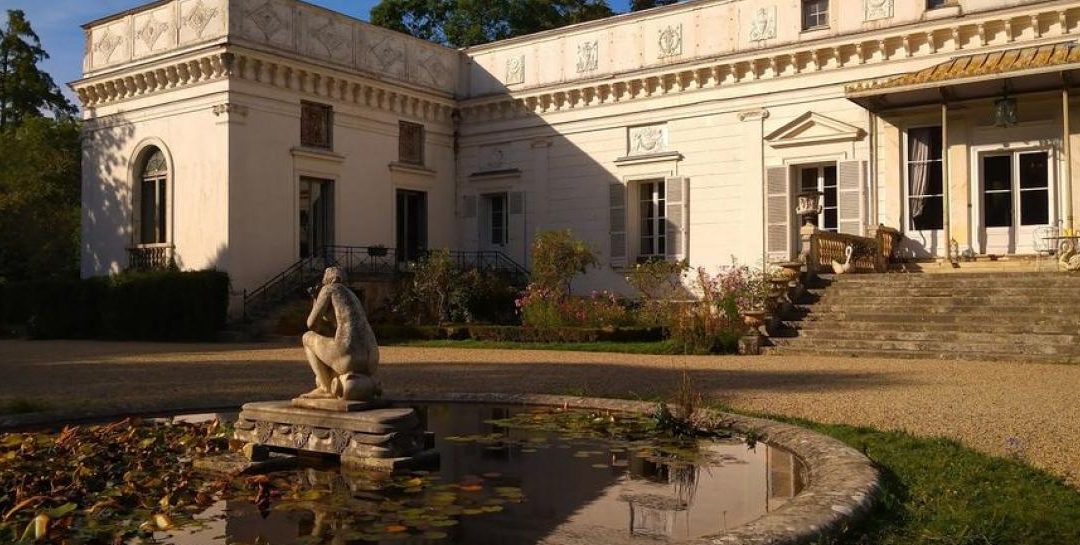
753,319
789,271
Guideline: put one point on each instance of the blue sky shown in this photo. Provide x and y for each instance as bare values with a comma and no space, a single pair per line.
58,21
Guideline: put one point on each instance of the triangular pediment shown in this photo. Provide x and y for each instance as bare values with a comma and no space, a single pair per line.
813,128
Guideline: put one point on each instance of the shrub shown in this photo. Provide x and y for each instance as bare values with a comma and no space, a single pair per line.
438,292
659,284
563,334
558,257
714,323
159,306
542,308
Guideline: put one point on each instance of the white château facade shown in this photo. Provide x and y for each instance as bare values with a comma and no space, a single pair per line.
247,134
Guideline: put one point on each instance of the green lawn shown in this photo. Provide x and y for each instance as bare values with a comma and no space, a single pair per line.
657,347
938,492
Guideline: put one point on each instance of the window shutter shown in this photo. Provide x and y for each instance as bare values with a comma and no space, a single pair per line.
850,175
677,201
617,224
778,214
515,203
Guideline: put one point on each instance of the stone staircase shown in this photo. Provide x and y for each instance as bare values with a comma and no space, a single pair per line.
1011,316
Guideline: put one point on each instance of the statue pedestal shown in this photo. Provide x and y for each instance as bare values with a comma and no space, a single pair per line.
379,438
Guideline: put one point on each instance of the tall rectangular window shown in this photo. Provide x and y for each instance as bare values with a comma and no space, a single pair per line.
316,125
652,211
925,179
497,211
815,14
823,179
934,4
410,143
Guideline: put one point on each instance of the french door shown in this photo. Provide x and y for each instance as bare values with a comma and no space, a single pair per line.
1016,199
412,227
316,216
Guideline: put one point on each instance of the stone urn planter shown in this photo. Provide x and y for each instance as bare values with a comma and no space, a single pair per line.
753,319
789,271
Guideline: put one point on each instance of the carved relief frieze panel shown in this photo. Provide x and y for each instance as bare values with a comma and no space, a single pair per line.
385,54
874,10
327,38
669,41
494,158
201,19
154,31
647,139
109,45
429,68
763,24
267,21
588,56
515,70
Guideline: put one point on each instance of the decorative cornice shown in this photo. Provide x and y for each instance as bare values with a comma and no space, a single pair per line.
239,65
947,35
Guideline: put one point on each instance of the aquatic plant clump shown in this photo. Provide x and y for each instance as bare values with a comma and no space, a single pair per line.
105,484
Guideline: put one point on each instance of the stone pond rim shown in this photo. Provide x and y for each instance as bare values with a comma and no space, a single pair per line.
841,488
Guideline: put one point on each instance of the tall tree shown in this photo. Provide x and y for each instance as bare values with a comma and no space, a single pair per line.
462,23
25,90
638,5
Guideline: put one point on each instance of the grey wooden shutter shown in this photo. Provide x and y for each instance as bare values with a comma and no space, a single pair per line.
515,202
617,224
677,203
778,212
850,175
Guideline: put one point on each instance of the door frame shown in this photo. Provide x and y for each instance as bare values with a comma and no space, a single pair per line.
978,152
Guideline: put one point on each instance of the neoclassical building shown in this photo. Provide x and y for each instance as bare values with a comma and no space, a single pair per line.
248,135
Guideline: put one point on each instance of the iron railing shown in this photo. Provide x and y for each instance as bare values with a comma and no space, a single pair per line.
366,261
150,257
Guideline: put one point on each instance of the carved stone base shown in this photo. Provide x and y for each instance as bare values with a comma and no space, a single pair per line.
386,438
338,405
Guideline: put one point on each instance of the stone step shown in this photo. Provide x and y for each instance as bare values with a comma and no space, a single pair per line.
954,308
949,291
929,346
930,335
958,278
906,354
970,320
998,301
868,328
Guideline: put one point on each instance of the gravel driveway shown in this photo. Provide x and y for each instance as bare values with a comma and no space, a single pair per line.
1000,408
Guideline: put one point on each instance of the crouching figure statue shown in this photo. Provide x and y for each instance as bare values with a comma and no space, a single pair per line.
345,364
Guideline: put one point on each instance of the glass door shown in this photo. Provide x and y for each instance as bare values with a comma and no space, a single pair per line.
411,224
820,178
316,207
1016,200
924,205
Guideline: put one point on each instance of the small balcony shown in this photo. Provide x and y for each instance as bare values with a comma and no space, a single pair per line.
150,257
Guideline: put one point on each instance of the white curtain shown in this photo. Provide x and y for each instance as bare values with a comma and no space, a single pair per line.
919,142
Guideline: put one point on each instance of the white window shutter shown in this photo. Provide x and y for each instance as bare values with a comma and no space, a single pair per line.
677,202
850,176
617,225
778,214
515,203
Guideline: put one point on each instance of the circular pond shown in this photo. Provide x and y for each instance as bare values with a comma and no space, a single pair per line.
522,475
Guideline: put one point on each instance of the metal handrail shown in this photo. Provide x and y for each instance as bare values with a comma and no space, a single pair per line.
366,260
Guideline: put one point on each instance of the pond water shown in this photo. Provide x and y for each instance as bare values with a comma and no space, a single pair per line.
513,475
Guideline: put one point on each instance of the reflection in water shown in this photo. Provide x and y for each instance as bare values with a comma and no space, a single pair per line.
506,485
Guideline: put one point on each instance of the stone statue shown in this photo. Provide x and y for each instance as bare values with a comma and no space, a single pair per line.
345,364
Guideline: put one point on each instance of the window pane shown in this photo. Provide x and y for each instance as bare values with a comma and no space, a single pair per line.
997,209
661,245
830,196
160,234
148,209
924,144
830,219
829,173
1034,170
1035,207
808,178
934,175
932,216
997,173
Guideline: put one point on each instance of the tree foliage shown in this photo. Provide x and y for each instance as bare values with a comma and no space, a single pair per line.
463,23
25,90
638,5
39,162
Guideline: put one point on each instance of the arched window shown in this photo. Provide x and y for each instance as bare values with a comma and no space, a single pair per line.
153,177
